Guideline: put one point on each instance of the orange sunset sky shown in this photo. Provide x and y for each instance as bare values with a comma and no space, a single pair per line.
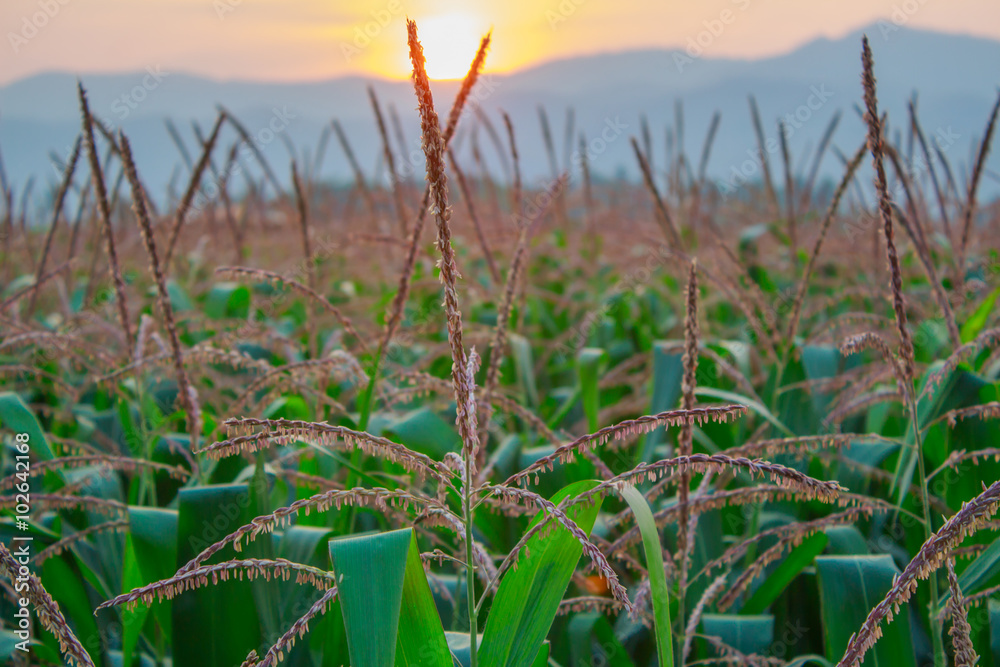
313,39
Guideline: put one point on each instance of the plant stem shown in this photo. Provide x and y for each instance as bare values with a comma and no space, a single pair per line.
365,410
937,625
469,563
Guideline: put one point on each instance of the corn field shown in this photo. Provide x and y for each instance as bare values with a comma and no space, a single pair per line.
468,419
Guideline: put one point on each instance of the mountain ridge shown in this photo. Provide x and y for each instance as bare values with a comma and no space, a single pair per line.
950,72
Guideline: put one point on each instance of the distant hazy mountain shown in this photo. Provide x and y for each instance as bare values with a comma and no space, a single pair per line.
956,78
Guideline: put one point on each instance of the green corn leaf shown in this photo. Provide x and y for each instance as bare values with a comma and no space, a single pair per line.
849,587
659,593
977,321
390,618
528,597
458,642
425,431
421,641
753,404
994,612
796,561
586,629
132,620
846,541
978,573
668,369
216,624
590,363
960,389
524,366
227,300
153,538
746,634
16,417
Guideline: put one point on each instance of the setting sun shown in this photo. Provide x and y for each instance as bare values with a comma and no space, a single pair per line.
450,42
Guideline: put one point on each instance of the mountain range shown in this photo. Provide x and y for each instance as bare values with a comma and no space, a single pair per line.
955,78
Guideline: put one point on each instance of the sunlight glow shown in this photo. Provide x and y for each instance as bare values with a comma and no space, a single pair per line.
450,42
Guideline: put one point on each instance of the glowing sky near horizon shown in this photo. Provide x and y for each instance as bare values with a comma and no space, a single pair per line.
297,40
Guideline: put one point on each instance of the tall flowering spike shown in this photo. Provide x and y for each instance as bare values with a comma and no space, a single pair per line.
690,357
875,144
961,632
187,396
467,84
688,385
396,309
104,208
434,151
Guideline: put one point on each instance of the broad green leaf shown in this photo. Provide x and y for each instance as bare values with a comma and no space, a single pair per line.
818,362
846,541
960,389
421,641
215,624
746,634
977,573
524,366
306,545
9,647
659,593
668,369
288,407
227,300
117,659
528,597
586,629
132,620
424,430
590,363
309,545
977,321
751,403
849,588
17,418
458,643
389,613
994,611
796,561
179,299
153,537
264,592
